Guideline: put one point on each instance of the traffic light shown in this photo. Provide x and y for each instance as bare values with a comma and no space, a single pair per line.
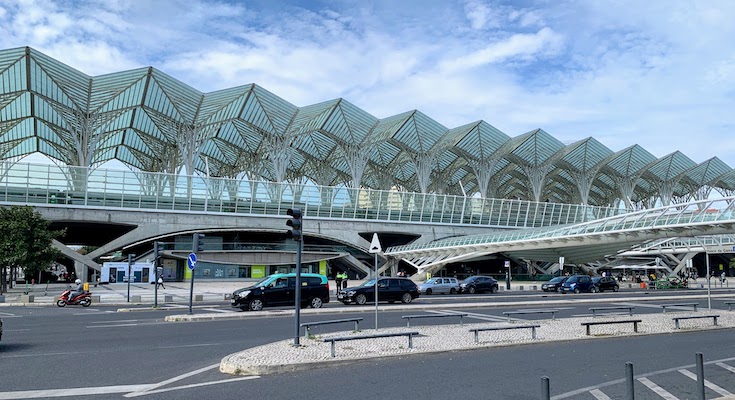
295,223
198,242
157,252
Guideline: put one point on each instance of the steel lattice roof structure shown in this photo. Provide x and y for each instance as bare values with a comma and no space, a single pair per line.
152,122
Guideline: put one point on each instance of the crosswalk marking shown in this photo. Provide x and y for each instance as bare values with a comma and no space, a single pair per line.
599,395
657,389
727,367
693,376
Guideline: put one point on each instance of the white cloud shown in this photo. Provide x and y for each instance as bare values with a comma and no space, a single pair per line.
656,73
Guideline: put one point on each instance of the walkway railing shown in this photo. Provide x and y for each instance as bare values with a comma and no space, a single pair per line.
108,188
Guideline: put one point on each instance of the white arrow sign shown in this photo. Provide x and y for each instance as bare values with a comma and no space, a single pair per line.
375,245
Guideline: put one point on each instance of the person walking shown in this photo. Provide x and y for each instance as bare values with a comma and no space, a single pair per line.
159,282
344,280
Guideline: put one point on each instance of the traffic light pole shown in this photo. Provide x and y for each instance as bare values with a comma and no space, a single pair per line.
130,263
297,312
155,274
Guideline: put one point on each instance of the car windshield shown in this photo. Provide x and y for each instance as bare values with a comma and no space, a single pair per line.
557,279
431,281
470,279
573,279
265,281
596,279
371,282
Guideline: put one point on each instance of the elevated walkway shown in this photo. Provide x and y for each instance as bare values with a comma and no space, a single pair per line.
581,242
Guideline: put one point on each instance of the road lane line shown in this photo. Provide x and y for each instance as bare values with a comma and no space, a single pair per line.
111,326
87,391
171,380
193,385
119,321
218,310
727,367
657,389
599,395
479,316
189,345
709,384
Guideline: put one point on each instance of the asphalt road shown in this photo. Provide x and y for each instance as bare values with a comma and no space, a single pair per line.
60,349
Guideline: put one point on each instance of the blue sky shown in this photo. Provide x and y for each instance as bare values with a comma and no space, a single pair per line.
659,73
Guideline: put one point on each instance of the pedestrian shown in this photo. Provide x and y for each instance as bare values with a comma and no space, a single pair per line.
338,280
159,282
722,277
344,280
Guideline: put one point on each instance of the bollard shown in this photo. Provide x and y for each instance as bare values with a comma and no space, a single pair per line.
629,381
168,298
700,376
545,388
198,297
136,299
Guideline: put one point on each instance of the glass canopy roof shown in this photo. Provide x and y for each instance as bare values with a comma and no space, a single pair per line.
152,122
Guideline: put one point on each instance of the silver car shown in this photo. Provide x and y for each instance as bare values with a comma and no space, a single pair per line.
439,285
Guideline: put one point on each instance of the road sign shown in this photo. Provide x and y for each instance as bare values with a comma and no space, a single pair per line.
375,245
720,249
506,264
192,261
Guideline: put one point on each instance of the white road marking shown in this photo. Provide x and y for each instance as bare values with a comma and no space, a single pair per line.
218,310
712,386
111,326
4,314
119,321
189,345
193,385
479,316
599,395
657,389
172,380
727,367
87,391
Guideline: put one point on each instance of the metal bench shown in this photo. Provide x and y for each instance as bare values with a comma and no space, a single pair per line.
307,325
552,312
729,304
676,319
612,308
626,321
408,317
680,305
375,336
502,328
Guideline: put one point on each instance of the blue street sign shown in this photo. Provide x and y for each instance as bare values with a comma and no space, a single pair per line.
192,261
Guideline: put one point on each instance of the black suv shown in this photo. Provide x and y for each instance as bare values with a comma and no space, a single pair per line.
280,290
477,284
389,289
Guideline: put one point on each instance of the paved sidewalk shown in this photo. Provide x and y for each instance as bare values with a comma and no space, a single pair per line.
283,356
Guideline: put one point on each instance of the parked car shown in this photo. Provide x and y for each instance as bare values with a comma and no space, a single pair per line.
478,284
389,289
554,284
577,284
604,283
280,290
440,285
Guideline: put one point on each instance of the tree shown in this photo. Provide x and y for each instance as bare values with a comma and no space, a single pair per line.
25,242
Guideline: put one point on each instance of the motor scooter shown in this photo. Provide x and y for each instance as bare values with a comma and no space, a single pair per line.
83,299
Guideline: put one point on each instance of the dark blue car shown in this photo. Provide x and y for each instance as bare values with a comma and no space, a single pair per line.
578,283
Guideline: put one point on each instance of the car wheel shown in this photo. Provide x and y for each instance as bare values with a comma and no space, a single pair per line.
360,299
429,291
616,288
452,291
315,302
576,290
471,290
406,298
255,305
493,289
595,289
